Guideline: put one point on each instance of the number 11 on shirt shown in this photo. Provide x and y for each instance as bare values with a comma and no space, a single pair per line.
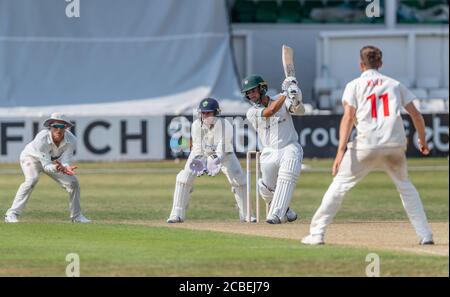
384,99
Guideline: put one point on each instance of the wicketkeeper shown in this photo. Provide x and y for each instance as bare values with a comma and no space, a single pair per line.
212,151
50,152
281,155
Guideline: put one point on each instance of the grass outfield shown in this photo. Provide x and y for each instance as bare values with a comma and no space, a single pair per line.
124,250
116,192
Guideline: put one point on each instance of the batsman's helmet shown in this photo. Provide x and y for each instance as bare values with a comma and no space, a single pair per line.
254,81
209,105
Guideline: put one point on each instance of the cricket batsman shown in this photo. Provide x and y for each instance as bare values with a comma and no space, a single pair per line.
281,155
212,151
51,152
373,102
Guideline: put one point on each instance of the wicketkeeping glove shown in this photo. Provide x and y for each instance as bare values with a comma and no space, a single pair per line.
198,166
213,165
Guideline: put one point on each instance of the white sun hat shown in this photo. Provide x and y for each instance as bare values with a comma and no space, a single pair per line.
57,117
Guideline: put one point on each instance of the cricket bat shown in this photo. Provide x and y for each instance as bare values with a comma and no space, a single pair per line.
287,56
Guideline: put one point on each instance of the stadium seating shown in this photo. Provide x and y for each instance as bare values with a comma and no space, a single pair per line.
433,106
335,11
304,11
267,11
423,11
325,102
289,12
323,87
421,94
428,82
244,11
439,93
405,81
336,100
334,3
423,4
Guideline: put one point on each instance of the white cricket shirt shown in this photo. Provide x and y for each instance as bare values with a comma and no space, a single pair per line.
378,100
276,131
207,140
43,149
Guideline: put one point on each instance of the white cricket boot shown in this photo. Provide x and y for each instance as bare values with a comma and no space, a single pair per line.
291,215
174,220
427,241
274,219
244,219
313,239
81,219
11,218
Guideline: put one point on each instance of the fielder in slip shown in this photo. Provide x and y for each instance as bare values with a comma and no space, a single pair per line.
281,156
373,103
212,151
51,152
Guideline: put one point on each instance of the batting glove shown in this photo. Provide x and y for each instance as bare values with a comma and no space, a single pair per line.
293,91
288,81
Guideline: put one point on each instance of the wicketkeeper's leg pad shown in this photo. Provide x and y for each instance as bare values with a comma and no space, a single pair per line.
183,188
240,193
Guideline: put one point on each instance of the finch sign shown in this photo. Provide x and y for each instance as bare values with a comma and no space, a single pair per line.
98,138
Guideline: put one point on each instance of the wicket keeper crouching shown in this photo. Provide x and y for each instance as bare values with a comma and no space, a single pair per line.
212,152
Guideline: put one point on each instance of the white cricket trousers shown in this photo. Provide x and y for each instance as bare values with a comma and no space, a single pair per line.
280,170
272,161
355,165
31,169
185,179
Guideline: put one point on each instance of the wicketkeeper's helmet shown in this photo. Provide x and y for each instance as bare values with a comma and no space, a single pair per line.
209,105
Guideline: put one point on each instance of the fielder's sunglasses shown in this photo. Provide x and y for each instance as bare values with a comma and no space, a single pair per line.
58,126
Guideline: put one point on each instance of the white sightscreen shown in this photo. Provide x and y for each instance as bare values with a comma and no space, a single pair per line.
134,56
